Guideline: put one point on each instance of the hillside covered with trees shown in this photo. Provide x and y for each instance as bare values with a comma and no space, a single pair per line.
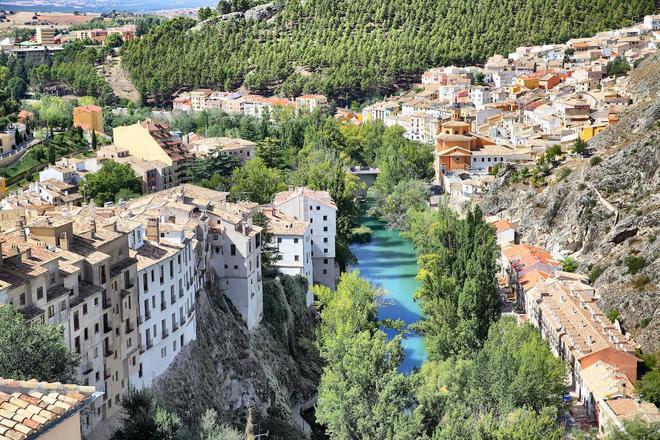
352,49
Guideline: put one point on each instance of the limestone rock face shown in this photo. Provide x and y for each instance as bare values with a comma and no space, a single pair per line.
229,368
602,215
262,12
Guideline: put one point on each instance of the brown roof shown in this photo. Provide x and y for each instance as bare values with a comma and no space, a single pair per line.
626,408
29,408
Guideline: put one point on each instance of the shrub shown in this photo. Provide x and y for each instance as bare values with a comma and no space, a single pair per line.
596,272
596,160
563,173
581,186
580,147
644,322
612,314
634,264
640,282
361,234
569,265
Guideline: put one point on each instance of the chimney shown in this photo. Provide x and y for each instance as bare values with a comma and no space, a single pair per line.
92,224
65,242
153,229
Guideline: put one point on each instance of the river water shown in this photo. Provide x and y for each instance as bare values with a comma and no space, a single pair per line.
389,261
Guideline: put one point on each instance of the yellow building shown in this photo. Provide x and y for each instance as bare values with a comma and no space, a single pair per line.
88,117
45,35
527,82
151,140
7,142
590,131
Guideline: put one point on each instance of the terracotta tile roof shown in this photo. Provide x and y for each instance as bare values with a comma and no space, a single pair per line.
29,408
282,224
604,381
569,307
503,225
322,197
627,408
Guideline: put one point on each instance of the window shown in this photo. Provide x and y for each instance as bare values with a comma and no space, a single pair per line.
163,304
86,334
325,261
233,249
161,274
318,208
76,321
311,207
279,239
84,309
296,258
235,267
22,299
40,292
325,239
51,311
325,229
172,295
145,281
325,271
325,218
295,240
325,251
171,269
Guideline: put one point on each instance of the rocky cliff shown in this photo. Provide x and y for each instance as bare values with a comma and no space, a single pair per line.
606,213
230,369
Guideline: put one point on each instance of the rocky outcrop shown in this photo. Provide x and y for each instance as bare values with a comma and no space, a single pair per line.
605,215
262,12
229,369
214,21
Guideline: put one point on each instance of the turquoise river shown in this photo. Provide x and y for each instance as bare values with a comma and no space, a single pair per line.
389,262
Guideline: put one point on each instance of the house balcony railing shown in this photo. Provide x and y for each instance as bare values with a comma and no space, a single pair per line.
86,367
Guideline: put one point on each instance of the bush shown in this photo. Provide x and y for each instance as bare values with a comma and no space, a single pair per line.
596,272
361,234
596,160
569,265
640,282
563,173
634,264
644,322
612,314
580,147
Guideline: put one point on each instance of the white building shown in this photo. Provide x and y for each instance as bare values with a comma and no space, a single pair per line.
504,78
480,96
652,22
167,286
235,256
293,240
317,208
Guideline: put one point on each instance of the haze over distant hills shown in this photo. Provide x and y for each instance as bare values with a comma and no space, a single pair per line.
102,5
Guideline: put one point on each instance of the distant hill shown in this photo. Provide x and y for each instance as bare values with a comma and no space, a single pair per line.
105,5
357,48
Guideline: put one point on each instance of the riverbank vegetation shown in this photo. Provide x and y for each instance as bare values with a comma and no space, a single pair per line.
351,50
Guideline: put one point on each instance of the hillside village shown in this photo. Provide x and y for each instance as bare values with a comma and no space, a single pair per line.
124,278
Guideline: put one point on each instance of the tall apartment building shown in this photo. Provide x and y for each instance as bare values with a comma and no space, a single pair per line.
72,272
45,35
151,141
319,210
167,287
293,241
228,249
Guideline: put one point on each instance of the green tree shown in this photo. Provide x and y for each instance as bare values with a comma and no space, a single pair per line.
143,419
269,252
406,195
94,141
649,387
212,430
35,351
458,294
16,88
111,181
361,394
114,41
569,264
635,429
255,182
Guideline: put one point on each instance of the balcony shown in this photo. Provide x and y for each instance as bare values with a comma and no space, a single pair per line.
107,328
182,321
86,367
166,333
106,373
129,326
150,343
163,305
107,351
106,302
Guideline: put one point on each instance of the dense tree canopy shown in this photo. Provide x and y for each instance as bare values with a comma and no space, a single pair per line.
459,294
112,182
34,351
354,48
